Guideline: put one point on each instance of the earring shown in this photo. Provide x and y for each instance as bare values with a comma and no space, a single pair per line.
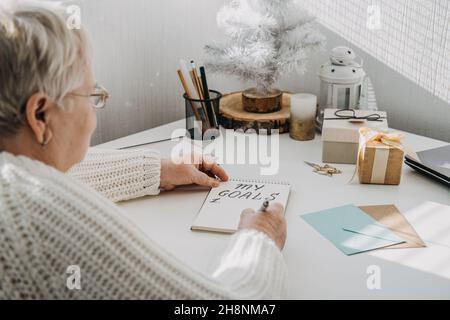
45,141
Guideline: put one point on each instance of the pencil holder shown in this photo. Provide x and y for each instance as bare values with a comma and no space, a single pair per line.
202,116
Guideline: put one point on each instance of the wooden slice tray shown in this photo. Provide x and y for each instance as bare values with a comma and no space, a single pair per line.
233,115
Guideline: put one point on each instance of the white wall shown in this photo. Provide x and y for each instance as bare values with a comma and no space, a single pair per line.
138,44
410,36
137,47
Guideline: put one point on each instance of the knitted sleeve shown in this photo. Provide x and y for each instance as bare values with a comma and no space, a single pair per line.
77,230
120,175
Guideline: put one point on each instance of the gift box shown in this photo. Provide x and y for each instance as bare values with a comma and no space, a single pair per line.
380,157
340,133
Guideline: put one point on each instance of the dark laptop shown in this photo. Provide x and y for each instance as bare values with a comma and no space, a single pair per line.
434,163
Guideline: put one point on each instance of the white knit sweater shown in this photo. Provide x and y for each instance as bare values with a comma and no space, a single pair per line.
50,221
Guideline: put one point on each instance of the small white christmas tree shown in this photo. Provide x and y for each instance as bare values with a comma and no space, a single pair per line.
266,39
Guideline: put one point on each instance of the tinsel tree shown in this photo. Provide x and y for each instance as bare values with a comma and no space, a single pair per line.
266,38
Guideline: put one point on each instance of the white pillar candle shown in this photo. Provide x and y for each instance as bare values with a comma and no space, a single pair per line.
303,116
304,106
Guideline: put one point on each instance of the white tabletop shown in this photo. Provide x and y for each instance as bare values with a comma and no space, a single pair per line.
317,269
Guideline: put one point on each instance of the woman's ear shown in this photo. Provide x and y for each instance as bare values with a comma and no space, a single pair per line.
37,113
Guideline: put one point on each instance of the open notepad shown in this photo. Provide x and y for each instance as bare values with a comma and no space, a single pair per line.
223,206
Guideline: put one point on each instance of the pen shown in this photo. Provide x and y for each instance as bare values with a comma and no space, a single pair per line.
264,206
209,106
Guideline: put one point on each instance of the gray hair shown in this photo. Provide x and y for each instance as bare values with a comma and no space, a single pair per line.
38,53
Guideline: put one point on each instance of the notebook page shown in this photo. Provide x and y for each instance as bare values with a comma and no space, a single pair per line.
223,206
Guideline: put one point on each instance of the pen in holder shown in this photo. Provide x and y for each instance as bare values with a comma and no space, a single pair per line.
202,116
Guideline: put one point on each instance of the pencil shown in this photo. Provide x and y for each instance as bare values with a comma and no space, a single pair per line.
192,90
194,77
197,87
185,70
201,86
188,93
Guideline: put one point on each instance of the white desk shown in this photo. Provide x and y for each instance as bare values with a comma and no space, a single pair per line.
317,270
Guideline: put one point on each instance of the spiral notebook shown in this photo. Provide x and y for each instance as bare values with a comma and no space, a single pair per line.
223,206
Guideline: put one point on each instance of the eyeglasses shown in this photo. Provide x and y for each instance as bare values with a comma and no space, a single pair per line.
98,98
350,114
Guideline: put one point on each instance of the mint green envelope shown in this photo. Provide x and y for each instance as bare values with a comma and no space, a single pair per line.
351,230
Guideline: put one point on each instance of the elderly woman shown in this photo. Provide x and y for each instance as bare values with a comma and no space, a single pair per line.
56,197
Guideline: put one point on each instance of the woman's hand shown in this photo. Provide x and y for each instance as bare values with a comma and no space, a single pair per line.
272,222
203,170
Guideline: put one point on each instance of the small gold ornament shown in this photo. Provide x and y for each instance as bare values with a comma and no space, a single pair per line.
325,170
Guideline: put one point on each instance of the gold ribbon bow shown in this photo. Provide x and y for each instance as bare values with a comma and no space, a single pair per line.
368,135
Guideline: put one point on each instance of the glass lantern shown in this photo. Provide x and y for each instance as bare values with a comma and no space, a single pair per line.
342,80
